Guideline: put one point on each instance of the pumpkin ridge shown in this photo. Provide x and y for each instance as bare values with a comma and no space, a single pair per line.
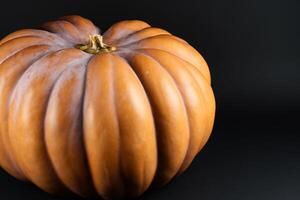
82,24
189,66
193,71
169,36
24,49
79,32
49,160
162,42
140,177
15,53
138,40
183,100
153,117
31,33
39,41
174,172
9,101
193,76
59,78
176,56
208,98
38,60
58,27
206,130
105,175
145,184
12,88
43,145
123,39
112,36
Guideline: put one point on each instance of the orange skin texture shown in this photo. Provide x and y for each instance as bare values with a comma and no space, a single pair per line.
109,124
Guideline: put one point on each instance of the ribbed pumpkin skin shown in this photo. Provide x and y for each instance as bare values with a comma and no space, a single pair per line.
109,124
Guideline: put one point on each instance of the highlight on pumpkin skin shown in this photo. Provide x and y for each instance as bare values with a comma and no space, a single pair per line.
95,45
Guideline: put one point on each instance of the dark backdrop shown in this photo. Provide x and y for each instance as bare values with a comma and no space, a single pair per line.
252,48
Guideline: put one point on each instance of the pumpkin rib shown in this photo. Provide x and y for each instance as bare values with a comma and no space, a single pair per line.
116,111
8,95
82,24
152,117
122,29
184,99
145,33
82,36
65,30
210,100
14,46
176,56
164,175
62,187
159,36
191,153
30,33
152,114
15,53
137,141
126,187
203,85
47,178
193,68
10,99
122,176
64,162
101,127
176,47
180,94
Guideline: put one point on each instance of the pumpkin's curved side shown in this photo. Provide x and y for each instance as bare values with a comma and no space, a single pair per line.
119,130
10,72
27,110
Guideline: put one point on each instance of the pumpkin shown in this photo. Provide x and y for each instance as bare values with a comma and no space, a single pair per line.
107,115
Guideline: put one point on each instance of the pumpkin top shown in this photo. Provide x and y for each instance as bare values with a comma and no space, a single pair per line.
122,38
95,45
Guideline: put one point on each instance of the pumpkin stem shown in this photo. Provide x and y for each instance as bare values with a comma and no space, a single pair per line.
95,45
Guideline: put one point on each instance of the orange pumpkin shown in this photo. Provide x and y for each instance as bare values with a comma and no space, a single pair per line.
104,115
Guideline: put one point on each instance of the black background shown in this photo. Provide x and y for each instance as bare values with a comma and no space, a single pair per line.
252,48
